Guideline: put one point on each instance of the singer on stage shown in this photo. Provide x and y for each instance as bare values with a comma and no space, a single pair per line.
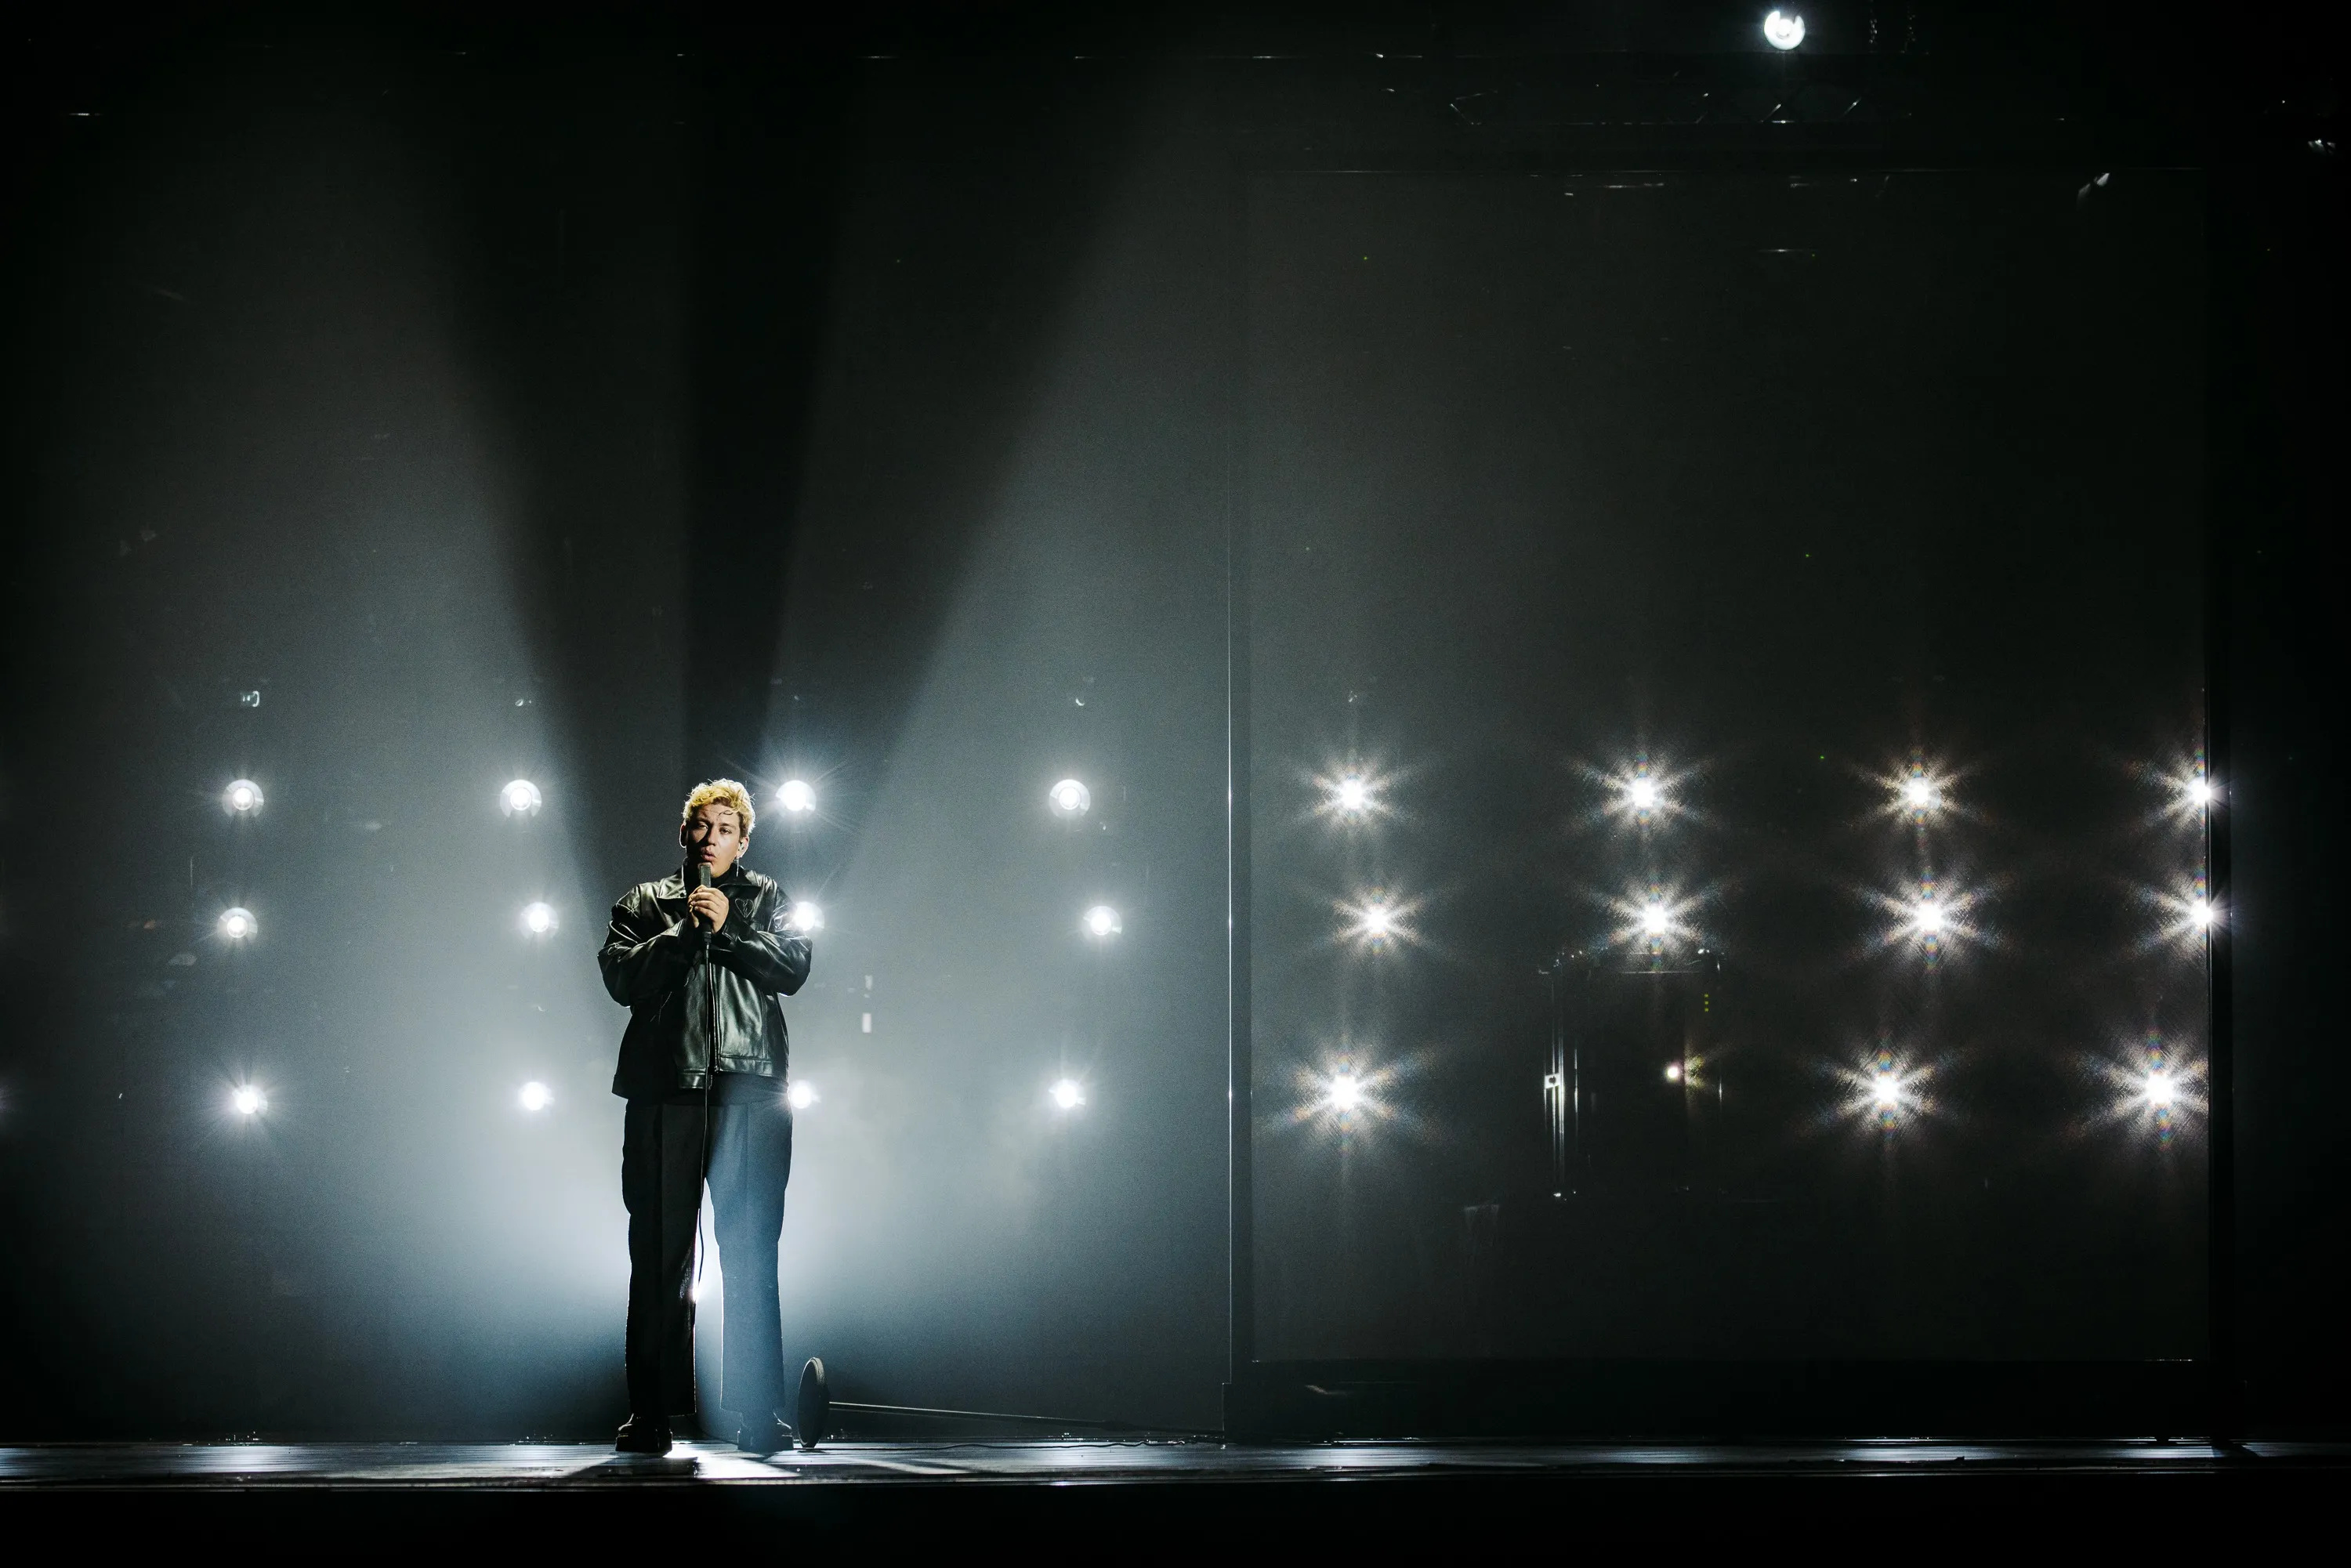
701,958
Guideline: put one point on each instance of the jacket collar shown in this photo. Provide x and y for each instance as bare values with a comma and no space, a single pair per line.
735,875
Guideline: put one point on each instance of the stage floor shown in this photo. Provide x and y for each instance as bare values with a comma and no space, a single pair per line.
1381,1494
569,1465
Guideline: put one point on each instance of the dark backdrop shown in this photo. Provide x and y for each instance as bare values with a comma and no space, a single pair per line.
1776,488
621,402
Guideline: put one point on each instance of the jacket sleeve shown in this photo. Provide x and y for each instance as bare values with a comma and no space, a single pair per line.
642,956
767,952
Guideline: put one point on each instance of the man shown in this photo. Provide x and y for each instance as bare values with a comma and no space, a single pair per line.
702,1067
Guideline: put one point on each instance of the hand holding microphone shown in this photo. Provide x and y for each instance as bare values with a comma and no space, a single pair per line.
706,905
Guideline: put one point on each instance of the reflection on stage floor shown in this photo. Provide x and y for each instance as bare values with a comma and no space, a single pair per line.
246,1466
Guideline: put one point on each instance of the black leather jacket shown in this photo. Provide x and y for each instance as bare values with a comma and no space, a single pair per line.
687,990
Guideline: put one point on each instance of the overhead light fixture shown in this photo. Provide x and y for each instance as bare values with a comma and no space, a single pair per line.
236,924
798,797
1069,799
241,798
1783,30
519,798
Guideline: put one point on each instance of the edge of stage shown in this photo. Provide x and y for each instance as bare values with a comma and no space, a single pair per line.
1196,1492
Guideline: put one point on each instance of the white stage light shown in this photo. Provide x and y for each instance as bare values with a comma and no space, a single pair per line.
247,1100
1885,1092
1928,919
1068,1093
2162,1091
1654,921
1783,29
1351,795
2200,913
2199,791
519,798
1673,1072
1643,795
1378,923
1919,793
535,1096
1346,1091
797,796
1102,920
538,919
1069,799
242,796
800,1095
805,917
236,924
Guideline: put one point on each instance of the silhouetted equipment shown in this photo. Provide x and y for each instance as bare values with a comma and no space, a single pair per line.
1644,1241
815,1411
1635,1085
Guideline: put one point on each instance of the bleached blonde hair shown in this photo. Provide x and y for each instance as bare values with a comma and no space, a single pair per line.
721,793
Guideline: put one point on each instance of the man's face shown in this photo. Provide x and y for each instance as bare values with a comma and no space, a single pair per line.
714,837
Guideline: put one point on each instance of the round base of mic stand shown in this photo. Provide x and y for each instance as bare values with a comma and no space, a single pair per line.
812,1416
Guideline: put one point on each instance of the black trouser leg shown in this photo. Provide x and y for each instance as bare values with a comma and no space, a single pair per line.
660,1184
750,1162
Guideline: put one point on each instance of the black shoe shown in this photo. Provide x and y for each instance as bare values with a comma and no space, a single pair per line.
640,1435
763,1434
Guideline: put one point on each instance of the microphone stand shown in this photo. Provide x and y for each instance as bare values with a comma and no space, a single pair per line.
710,1068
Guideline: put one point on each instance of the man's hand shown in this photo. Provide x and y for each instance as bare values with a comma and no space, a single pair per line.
708,906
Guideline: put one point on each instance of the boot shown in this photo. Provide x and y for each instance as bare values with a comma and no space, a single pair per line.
763,1434
643,1435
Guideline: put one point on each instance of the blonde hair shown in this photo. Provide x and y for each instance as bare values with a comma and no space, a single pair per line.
721,793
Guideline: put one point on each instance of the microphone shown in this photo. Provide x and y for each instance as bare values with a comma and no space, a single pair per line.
701,878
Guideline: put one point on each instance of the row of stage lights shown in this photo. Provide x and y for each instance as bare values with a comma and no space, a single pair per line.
1069,800
1883,1093
1929,917
1063,1094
